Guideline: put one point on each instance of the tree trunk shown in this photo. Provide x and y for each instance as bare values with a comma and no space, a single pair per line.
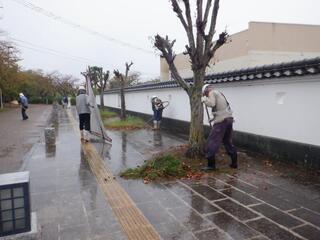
101,98
196,135
123,103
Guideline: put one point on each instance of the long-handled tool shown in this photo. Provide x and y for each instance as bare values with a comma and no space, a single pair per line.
208,115
164,105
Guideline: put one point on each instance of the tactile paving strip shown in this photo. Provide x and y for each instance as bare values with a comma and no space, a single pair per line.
132,221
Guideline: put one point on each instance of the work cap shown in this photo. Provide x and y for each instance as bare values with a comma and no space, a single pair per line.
204,88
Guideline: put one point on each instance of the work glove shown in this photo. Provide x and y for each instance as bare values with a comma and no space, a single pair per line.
204,99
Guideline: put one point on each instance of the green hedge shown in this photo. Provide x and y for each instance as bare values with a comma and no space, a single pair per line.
41,100
73,101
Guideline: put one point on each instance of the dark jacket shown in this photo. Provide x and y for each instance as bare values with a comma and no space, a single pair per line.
24,101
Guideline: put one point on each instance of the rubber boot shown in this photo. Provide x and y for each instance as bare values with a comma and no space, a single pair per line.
234,161
155,125
86,136
211,164
158,125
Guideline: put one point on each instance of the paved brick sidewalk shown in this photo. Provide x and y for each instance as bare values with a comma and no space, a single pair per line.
254,202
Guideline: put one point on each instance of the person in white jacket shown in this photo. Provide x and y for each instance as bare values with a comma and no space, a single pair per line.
222,128
83,108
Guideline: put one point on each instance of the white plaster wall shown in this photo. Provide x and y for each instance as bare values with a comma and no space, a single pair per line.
288,110
141,102
281,108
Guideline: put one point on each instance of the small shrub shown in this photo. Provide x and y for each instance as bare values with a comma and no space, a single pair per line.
35,100
42,100
73,101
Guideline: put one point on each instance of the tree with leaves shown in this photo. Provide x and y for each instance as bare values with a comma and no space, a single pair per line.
123,80
200,49
9,69
99,80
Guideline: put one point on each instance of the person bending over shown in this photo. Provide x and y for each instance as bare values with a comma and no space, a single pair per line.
222,128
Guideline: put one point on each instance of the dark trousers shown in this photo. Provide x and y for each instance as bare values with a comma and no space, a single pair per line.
23,113
84,121
221,133
157,115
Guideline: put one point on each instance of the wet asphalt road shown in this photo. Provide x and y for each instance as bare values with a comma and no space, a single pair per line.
17,136
260,200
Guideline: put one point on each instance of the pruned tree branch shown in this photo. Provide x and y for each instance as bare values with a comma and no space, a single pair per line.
223,37
202,23
176,8
206,12
190,25
128,68
213,20
105,79
165,46
200,29
117,74
187,23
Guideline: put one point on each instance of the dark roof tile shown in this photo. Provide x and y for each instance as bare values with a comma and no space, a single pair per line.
284,69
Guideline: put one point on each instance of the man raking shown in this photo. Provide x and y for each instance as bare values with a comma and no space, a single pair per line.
221,131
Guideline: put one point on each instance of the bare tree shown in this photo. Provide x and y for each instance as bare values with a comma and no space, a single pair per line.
133,79
123,80
200,48
99,80
103,84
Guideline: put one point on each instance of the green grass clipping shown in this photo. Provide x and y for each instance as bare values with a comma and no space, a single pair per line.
131,122
166,166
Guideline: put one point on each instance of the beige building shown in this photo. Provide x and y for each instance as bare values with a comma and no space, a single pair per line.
262,43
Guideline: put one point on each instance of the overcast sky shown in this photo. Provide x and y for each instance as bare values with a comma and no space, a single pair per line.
125,21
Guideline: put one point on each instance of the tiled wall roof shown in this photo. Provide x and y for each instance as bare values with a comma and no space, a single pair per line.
287,69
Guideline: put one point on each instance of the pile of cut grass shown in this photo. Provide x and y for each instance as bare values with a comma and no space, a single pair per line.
166,166
130,123
174,164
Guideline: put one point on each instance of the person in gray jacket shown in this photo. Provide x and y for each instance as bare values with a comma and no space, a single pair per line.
83,108
221,131
24,106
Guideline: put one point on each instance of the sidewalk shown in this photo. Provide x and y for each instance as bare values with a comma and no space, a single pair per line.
17,136
254,202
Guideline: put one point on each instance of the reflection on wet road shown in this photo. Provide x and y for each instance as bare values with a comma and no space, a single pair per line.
252,203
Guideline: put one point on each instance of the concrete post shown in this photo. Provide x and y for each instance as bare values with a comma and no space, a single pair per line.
50,136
